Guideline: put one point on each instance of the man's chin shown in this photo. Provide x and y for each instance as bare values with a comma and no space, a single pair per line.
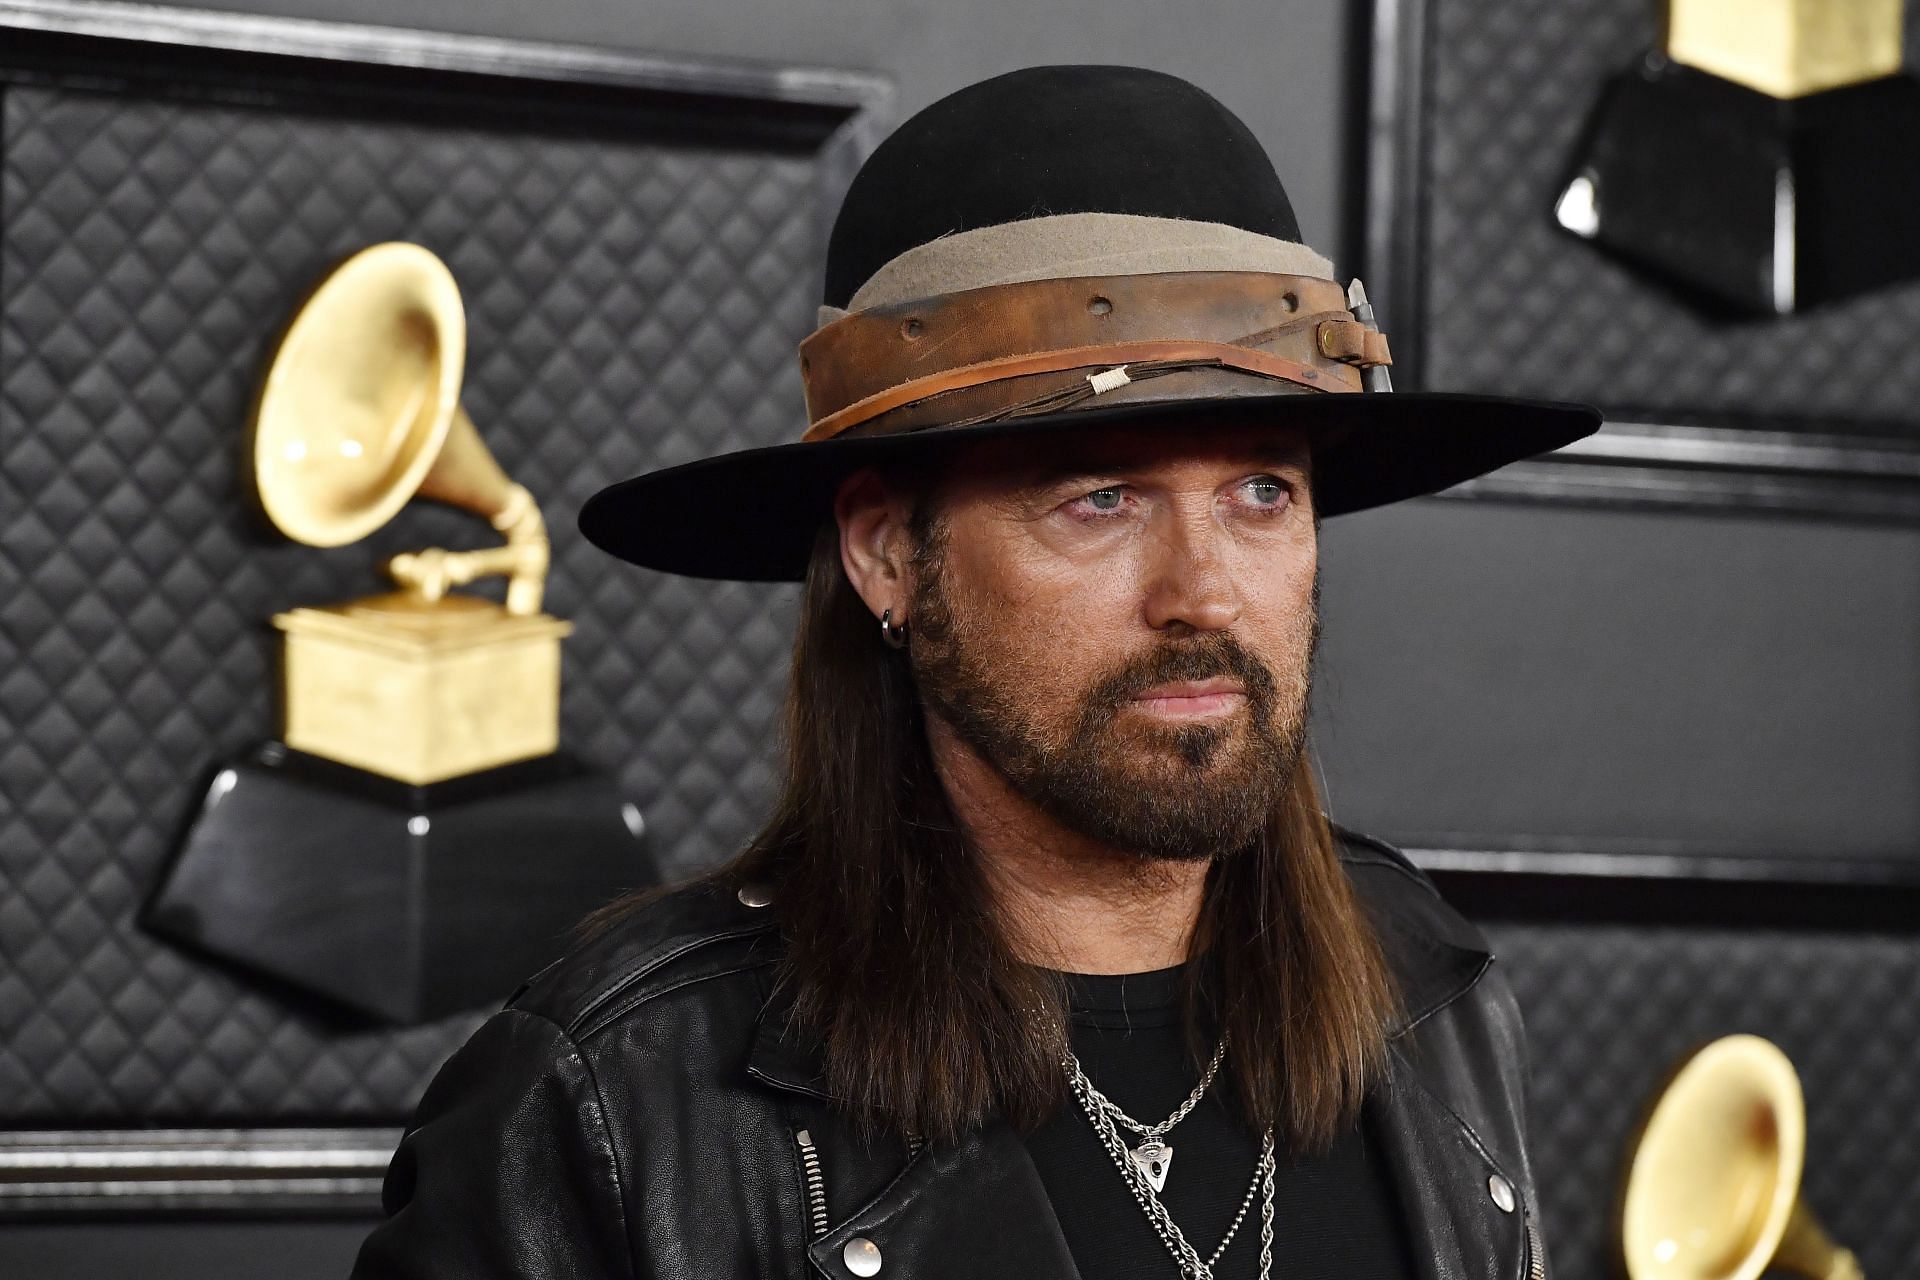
1175,832
1176,753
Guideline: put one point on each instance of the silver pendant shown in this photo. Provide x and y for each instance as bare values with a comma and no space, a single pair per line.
1153,1158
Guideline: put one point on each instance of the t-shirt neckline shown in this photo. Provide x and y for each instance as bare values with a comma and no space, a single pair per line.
1152,998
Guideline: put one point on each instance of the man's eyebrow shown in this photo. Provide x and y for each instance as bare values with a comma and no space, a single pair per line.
1039,475
1043,473
1297,457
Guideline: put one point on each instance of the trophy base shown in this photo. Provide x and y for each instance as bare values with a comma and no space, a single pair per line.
404,903
1761,205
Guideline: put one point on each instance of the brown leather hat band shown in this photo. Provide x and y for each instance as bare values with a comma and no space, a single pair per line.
1114,358
873,363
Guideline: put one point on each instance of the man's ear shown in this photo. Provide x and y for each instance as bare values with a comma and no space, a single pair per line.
875,542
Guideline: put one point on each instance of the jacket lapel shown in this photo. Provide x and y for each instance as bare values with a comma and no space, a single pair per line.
968,1209
1438,1167
1440,1174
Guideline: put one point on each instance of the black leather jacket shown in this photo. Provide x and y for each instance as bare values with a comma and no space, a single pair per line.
636,1111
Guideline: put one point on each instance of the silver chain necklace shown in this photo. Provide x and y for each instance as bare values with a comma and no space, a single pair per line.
1136,1168
1154,1156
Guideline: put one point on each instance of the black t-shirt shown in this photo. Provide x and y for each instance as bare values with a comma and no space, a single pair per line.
1334,1215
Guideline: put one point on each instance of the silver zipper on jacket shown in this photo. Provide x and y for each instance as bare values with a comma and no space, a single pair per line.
1536,1258
815,1180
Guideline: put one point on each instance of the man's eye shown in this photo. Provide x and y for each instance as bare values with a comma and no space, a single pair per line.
1107,499
1265,491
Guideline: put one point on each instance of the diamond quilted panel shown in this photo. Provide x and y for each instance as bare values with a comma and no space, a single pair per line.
1515,305
1609,1008
629,305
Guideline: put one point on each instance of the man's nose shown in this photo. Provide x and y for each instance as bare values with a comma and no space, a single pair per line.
1190,580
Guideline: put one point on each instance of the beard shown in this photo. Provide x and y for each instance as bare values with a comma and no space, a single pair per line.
1174,792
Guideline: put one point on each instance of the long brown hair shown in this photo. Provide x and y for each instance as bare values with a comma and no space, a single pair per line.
897,962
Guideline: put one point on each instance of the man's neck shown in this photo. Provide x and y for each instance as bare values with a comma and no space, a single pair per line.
1069,902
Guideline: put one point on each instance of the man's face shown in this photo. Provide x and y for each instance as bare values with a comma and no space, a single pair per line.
1125,628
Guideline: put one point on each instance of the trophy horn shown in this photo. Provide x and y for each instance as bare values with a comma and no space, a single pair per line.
1711,1189
360,412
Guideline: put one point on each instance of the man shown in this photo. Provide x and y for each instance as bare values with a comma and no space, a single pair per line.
1048,962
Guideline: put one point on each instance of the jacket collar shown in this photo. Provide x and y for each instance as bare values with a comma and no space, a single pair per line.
1435,955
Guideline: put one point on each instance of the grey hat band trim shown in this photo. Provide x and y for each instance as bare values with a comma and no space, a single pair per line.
1076,244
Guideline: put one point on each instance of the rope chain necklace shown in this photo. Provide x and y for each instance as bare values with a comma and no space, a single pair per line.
1144,1169
1153,1157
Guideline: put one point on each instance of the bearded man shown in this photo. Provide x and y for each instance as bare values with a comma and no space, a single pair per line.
1047,898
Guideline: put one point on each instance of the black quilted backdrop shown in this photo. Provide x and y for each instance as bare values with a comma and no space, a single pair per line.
1513,304
630,305
1610,1007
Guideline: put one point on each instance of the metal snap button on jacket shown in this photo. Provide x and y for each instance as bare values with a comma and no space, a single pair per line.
1502,1192
862,1256
755,895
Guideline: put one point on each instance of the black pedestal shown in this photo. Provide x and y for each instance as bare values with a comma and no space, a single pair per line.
1763,205
403,902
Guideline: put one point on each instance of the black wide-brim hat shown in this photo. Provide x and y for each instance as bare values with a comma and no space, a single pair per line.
1069,249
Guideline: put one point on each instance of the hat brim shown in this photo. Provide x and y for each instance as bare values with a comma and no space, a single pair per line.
752,515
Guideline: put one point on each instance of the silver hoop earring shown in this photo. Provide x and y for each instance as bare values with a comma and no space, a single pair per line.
896,637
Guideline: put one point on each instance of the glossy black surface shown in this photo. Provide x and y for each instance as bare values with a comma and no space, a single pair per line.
1755,204
402,903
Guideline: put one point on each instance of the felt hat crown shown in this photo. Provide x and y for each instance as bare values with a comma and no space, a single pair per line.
1068,248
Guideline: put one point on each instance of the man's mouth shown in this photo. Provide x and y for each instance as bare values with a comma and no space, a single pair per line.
1192,699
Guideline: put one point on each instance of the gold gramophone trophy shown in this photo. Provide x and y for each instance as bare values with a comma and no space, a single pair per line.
415,843
1711,1187
360,414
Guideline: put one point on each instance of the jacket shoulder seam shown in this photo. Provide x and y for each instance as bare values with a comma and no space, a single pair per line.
580,1024
571,993
654,962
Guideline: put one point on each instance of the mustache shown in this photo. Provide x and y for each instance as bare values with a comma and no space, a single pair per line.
1207,656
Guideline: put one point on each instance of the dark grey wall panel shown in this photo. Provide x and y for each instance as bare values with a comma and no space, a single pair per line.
1606,678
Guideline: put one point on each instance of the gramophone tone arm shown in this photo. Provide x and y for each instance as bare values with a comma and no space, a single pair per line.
519,517
524,559
430,573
